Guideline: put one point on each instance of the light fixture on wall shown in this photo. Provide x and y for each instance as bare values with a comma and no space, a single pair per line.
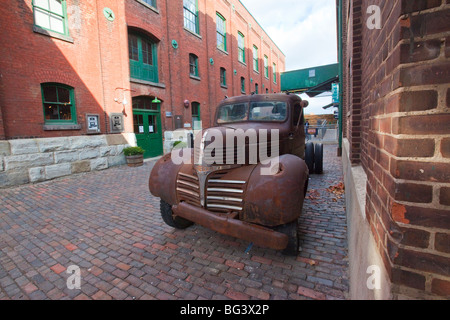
156,100
186,103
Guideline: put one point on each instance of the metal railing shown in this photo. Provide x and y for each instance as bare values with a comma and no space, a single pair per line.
325,133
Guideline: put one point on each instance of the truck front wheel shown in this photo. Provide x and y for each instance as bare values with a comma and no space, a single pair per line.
169,219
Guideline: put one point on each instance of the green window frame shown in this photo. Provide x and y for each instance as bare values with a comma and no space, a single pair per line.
274,73
193,65
221,28
255,59
223,77
143,58
241,47
242,84
58,102
190,13
51,15
266,66
196,115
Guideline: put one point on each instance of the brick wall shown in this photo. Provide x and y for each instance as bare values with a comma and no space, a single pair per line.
405,128
92,60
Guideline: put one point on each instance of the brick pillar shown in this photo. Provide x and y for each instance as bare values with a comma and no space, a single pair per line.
352,59
406,76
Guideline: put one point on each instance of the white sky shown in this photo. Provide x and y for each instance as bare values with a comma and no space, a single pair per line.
305,30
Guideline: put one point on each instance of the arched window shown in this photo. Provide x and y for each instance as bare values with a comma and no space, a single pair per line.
196,115
143,57
223,77
193,65
242,84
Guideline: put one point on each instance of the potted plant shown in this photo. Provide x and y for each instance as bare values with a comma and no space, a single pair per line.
134,156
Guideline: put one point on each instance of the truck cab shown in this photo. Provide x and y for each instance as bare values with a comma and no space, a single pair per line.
245,177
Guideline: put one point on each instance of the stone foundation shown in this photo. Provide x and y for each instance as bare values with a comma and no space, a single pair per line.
35,160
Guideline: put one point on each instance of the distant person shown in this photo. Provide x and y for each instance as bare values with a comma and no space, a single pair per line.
306,130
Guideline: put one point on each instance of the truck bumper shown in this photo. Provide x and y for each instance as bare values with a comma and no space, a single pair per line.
260,236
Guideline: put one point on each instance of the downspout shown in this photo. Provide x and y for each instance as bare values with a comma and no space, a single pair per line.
341,66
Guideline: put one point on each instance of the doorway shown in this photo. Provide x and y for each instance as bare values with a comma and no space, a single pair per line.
147,126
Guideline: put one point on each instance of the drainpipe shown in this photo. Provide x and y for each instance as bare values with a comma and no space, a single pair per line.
341,66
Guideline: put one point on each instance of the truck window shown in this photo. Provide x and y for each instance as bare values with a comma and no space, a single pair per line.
268,111
232,113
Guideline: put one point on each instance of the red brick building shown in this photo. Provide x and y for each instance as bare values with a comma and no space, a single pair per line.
396,61
205,50
134,69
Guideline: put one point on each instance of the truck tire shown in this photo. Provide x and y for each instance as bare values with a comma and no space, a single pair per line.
309,156
291,230
167,216
318,158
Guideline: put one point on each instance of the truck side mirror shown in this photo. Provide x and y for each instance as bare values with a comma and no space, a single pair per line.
304,103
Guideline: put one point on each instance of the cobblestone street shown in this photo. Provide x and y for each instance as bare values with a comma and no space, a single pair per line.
109,225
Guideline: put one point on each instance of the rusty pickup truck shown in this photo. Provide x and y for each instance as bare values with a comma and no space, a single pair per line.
246,176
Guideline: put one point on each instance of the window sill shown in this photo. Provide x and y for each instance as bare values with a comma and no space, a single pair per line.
224,86
223,51
52,34
243,63
193,33
150,83
60,127
194,77
148,6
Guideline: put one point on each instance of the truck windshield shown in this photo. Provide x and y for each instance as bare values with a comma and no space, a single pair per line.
271,111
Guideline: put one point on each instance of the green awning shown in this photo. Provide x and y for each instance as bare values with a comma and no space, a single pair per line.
312,81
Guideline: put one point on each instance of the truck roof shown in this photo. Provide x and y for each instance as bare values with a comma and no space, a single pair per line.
283,97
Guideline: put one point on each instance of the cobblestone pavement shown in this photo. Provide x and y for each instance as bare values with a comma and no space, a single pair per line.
108,225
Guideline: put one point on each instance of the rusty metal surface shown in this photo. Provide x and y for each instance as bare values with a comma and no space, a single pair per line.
225,224
163,179
276,200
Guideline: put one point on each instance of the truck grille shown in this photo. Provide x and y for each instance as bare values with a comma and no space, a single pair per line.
224,195
188,189
221,195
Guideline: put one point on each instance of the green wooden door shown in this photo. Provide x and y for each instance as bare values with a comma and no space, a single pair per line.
147,128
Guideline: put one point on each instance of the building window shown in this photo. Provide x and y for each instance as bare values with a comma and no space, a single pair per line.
255,59
143,58
241,47
51,15
256,88
150,2
266,67
193,65
190,12
274,73
59,103
196,124
223,77
242,84
221,32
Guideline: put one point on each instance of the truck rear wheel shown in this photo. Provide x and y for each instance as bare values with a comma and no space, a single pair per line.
318,158
309,156
169,219
291,230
